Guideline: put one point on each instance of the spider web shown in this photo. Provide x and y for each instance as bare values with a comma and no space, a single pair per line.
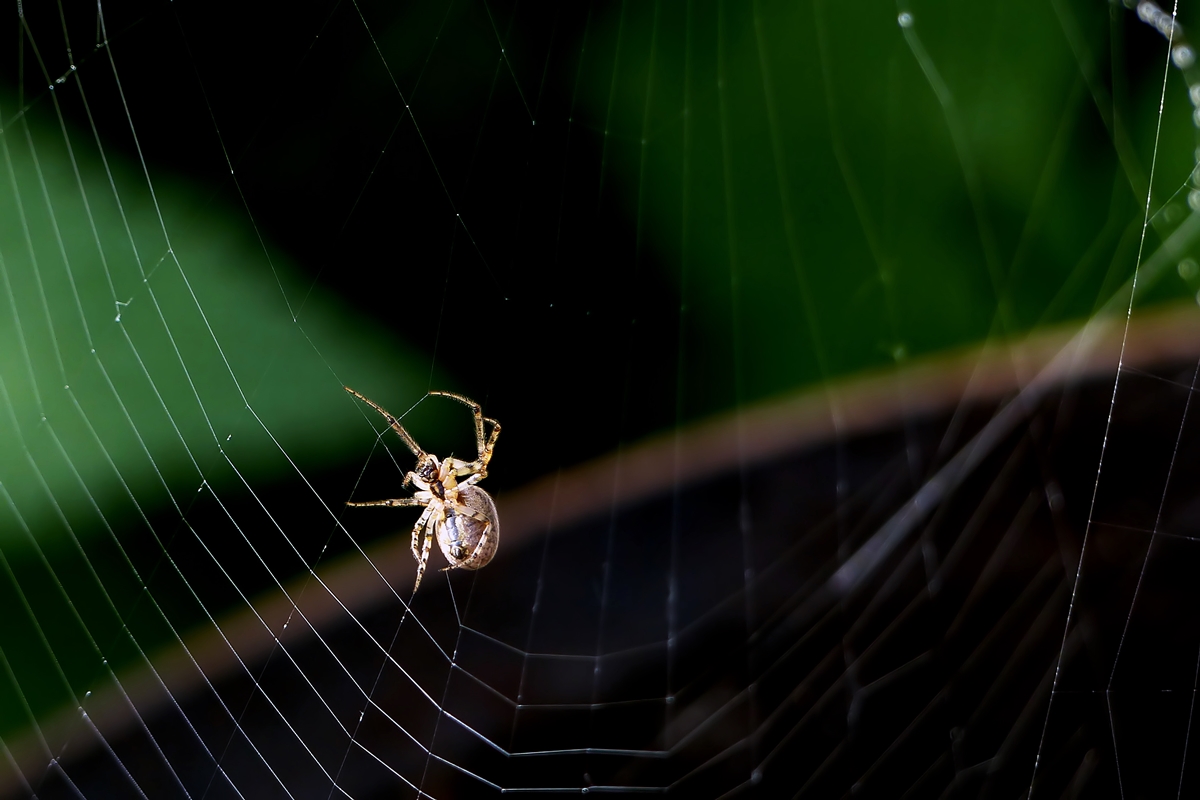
845,365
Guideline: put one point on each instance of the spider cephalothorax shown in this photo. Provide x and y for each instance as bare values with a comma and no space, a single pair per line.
460,515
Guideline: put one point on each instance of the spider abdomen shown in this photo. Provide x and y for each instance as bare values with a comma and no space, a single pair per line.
468,542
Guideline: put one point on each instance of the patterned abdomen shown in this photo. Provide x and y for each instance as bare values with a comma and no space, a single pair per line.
467,542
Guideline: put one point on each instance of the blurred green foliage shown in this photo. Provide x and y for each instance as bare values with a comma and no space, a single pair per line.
824,213
118,398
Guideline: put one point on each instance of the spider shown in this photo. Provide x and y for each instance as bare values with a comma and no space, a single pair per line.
458,513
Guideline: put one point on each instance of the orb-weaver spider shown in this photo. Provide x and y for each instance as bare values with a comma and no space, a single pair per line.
460,515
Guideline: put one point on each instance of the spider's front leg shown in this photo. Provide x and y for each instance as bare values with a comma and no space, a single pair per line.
396,502
394,423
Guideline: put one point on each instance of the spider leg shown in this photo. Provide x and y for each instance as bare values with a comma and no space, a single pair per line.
457,467
465,511
413,479
476,469
479,548
393,503
483,445
417,528
410,442
430,533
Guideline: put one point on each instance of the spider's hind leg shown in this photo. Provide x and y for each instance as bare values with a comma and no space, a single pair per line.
422,556
478,554
483,444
